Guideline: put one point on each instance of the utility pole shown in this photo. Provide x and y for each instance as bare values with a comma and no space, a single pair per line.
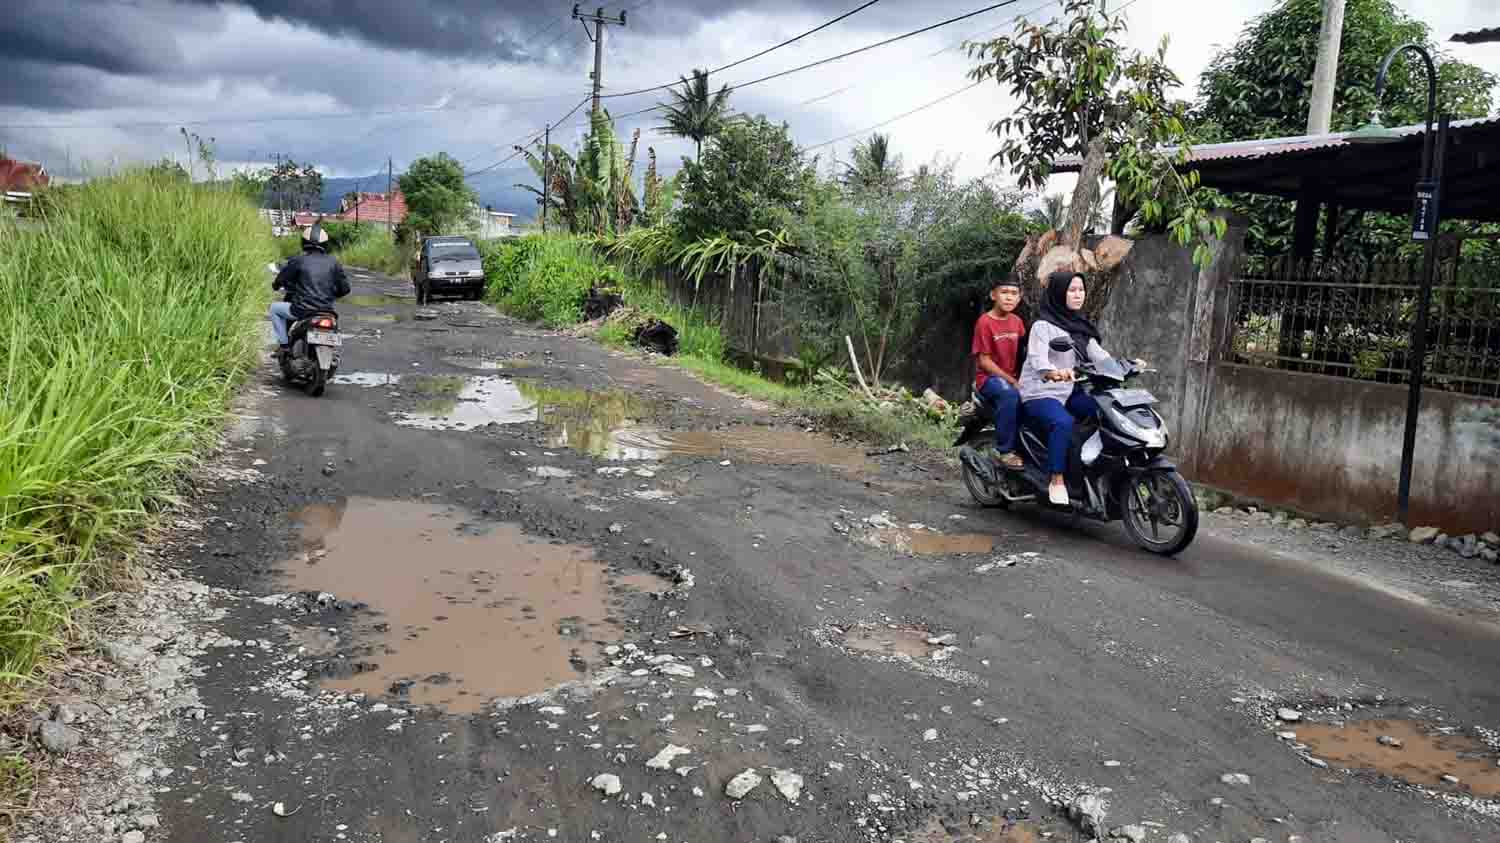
1325,73
390,199
546,174
597,36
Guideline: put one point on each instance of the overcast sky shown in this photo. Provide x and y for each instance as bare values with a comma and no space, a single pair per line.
471,77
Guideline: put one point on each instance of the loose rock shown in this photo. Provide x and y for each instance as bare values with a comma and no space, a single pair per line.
1235,779
606,783
930,735
1422,535
789,784
1387,740
59,739
663,759
1133,833
133,837
742,784
1088,811
1288,715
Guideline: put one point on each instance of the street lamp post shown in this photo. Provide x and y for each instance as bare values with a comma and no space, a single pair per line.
1424,228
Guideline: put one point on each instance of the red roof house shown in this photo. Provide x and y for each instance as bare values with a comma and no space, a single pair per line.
21,176
378,208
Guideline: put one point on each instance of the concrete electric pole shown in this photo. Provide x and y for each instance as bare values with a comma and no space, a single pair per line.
597,36
1325,74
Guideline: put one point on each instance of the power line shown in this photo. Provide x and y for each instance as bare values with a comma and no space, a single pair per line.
841,56
903,115
524,142
771,49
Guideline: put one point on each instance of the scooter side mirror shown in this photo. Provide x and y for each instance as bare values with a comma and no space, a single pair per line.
1061,344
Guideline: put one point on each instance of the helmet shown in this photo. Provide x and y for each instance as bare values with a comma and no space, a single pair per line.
314,237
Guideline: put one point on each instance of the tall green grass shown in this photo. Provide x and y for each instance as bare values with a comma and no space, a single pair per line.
372,248
124,326
547,279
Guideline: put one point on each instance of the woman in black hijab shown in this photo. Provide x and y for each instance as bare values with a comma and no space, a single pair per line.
1051,401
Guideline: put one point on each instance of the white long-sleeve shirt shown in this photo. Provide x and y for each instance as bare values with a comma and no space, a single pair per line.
1040,359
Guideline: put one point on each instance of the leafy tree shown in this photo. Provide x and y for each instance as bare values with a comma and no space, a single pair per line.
696,111
875,166
297,186
1082,92
248,184
168,169
744,182
1261,87
437,197
594,191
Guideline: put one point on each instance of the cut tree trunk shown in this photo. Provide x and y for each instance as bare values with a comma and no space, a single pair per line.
1085,194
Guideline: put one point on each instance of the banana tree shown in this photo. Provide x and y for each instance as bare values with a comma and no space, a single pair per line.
591,193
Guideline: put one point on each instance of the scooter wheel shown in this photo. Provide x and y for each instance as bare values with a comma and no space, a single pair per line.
978,486
317,382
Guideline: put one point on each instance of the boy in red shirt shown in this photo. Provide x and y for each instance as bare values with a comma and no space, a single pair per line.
998,338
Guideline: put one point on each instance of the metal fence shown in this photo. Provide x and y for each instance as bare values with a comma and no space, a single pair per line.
1355,320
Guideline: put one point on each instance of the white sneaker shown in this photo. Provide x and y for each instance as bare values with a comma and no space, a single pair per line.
1058,495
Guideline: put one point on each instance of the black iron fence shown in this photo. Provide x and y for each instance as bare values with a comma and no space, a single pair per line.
1354,320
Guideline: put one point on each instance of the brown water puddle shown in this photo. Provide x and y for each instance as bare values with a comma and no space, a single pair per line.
889,642
1423,758
929,542
468,613
608,424
997,830
749,443
376,300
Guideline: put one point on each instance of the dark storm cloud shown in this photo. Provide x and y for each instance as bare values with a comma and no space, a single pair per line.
138,38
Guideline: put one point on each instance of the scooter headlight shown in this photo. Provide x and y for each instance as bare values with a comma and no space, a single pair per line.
1155,437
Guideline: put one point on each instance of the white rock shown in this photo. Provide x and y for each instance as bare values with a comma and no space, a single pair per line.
675,669
606,783
1450,779
648,800
1088,810
553,710
789,784
930,735
1235,778
942,640
1133,833
757,728
133,837
241,796
1288,715
1287,736
742,784
663,760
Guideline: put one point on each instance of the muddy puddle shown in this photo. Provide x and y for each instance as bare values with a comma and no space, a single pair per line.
1418,754
885,641
993,830
928,543
747,443
367,379
491,364
609,424
466,612
377,300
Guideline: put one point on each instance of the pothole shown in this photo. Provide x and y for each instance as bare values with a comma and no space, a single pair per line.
490,364
473,403
979,830
469,612
898,641
747,443
376,300
366,379
1407,750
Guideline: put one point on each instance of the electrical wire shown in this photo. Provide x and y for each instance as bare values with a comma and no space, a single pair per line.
903,115
751,58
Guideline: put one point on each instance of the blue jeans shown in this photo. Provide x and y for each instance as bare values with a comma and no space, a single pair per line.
1050,418
1004,403
281,320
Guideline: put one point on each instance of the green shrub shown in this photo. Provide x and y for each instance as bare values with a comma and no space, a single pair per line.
504,261
548,278
373,248
125,324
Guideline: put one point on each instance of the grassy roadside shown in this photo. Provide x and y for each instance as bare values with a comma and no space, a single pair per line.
125,325
548,279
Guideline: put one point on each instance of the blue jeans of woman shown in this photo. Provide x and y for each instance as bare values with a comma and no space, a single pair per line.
1052,419
1004,403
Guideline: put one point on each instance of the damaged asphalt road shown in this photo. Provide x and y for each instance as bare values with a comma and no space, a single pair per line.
503,584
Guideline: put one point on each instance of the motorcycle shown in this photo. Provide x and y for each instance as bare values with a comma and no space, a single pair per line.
1116,470
312,357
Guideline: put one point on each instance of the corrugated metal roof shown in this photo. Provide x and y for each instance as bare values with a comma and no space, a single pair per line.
1483,36
1265,147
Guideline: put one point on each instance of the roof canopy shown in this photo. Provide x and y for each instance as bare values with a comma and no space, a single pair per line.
1379,177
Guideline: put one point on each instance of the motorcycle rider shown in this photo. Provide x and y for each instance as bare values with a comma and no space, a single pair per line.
313,281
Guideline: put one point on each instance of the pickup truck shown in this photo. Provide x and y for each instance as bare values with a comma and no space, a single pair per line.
447,266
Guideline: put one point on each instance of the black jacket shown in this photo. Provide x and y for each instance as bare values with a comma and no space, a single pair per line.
313,281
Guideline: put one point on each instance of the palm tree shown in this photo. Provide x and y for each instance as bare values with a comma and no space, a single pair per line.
696,112
875,167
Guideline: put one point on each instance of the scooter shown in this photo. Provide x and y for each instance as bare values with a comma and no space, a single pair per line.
1116,468
312,356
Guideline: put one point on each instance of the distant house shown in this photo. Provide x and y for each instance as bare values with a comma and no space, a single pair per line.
19,178
374,208
288,222
490,223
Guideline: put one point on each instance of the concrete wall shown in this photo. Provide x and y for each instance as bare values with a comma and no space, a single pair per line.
1320,444
1332,446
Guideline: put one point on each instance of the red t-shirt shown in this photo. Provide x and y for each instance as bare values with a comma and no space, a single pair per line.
1001,340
